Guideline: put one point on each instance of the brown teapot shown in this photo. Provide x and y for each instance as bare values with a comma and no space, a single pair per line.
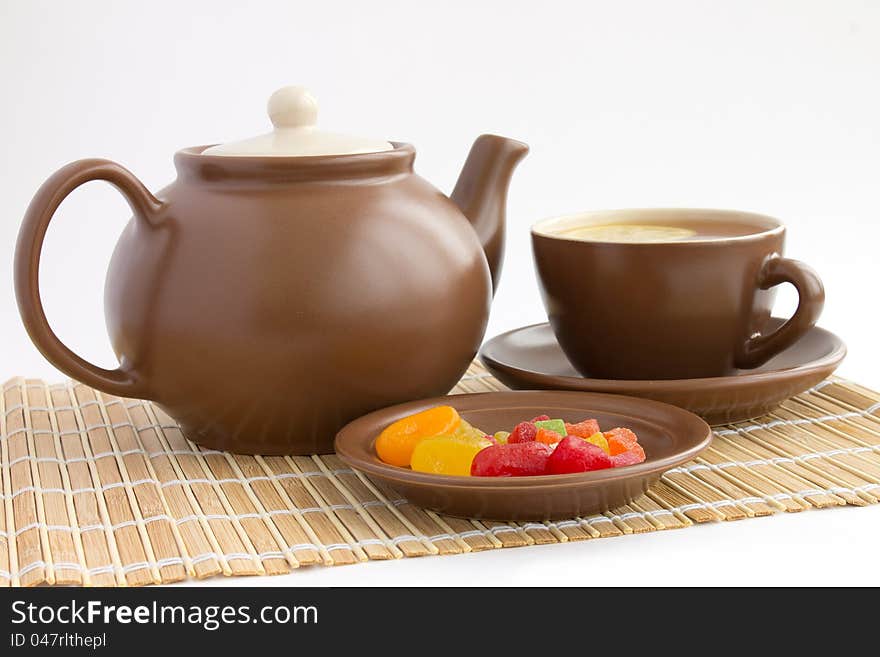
284,285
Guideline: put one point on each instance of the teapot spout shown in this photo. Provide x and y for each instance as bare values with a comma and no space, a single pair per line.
481,193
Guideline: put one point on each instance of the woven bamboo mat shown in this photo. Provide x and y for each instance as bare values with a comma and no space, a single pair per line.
103,491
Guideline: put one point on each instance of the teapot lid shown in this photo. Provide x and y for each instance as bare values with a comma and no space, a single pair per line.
294,112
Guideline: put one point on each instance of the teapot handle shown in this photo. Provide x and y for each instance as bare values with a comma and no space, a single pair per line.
122,381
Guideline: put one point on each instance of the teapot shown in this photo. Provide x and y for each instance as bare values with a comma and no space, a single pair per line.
283,285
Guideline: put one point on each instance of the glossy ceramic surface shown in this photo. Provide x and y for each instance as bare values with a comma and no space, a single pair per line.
669,435
530,358
671,310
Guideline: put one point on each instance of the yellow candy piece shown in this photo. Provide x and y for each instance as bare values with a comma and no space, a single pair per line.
501,437
599,440
467,430
449,455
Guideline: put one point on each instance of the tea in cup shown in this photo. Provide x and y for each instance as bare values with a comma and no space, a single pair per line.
669,293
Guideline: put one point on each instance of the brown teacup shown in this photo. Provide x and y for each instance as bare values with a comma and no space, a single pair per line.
669,293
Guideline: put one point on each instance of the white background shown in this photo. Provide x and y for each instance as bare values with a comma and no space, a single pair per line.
768,106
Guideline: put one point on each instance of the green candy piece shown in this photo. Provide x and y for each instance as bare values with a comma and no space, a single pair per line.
501,437
556,425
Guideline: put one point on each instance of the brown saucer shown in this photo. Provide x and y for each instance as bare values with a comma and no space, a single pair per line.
530,358
671,436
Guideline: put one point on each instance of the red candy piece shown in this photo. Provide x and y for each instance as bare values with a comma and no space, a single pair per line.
630,457
583,429
524,432
516,460
540,418
575,454
620,440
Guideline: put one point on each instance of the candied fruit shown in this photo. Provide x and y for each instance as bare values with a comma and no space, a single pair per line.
512,460
620,440
557,426
524,432
547,436
439,441
633,455
450,455
583,429
396,443
598,439
466,430
573,454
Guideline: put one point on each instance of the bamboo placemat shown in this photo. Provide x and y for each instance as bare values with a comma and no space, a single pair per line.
103,491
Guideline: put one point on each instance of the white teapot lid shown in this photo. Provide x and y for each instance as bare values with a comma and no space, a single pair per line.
294,112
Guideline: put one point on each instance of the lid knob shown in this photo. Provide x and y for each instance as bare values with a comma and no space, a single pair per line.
293,107
294,113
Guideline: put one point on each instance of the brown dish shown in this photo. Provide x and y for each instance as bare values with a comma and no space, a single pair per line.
530,358
670,436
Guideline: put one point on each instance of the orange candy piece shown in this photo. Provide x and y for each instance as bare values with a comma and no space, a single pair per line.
633,455
583,429
547,436
599,440
620,440
396,443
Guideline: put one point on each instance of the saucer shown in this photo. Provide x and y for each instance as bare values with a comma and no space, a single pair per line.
530,358
670,436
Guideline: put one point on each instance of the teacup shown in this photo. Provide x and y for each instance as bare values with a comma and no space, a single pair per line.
669,293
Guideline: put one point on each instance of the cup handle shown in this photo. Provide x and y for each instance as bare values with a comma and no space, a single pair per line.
122,381
760,348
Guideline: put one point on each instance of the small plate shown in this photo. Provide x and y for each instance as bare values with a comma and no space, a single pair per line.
670,436
530,358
